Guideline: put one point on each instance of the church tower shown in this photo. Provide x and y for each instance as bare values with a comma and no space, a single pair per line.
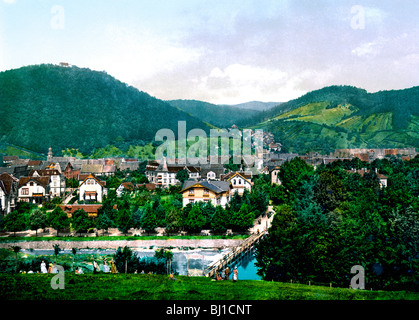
50,155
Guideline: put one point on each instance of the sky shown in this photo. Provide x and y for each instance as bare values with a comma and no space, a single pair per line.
220,51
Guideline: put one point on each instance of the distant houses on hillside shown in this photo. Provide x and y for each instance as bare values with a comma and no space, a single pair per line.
37,181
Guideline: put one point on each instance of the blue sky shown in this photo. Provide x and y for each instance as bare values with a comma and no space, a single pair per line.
220,51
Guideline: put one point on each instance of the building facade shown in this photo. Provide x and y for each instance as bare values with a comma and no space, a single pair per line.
216,192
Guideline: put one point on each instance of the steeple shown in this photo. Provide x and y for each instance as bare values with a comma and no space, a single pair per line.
50,155
164,164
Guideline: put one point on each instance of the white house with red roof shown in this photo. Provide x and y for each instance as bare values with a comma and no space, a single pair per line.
91,188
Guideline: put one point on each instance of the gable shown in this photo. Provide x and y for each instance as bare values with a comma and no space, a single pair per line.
91,176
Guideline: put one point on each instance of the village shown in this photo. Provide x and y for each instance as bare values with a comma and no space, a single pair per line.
79,183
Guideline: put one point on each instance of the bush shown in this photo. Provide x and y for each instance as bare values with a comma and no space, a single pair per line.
136,264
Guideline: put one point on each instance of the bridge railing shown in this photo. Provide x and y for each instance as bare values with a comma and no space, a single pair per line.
247,243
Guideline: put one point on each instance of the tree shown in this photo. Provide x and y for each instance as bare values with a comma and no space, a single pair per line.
124,220
80,221
58,219
71,183
292,174
57,250
74,251
16,250
167,255
259,200
195,220
37,220
182,175
283,218
243,219
173,219
148,220
159,212
15,221
221,220
329,190
104,222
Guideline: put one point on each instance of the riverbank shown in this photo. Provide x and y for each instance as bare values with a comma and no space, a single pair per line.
204,242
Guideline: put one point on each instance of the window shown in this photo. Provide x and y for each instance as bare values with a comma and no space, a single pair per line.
191,192
31,184
206,192
25,191
191,200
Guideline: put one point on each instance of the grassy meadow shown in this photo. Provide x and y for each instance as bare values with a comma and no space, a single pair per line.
160,287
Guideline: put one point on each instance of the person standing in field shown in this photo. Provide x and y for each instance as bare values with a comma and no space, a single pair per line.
227,273
95,267
113,267
235,274
43,267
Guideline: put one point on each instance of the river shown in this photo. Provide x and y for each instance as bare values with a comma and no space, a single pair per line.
195,259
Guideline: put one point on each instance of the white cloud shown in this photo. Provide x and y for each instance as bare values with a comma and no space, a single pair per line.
9,1
372,48
245,82
131,56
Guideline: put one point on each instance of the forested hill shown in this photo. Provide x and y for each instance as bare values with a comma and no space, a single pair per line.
222,116
71,107
345,117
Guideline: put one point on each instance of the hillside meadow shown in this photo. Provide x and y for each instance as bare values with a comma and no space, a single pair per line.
160,287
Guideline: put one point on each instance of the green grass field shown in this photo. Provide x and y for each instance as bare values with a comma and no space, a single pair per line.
159,287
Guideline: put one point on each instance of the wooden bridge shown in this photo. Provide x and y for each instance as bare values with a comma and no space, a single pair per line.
244,246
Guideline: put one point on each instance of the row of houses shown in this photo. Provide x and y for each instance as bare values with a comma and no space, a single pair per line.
70,167
36,181
44,185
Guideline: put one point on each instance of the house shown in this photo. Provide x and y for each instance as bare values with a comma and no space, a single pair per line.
239,181
129,164
273,172
96,169
70,172
218,192
8,193
383,179
148,186
212,171
125,186
91,209
164,175
108,170
34,189
91,188
57,184
34,164
8,160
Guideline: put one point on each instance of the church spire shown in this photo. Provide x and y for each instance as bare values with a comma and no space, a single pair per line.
50,155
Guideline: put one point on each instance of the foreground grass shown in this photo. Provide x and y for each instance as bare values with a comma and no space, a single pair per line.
158,287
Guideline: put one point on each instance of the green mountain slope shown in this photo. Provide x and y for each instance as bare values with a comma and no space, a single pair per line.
71,107
346,117
222,116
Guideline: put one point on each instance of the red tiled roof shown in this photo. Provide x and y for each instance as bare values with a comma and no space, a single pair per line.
6,180
43,181
89,208
84,177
